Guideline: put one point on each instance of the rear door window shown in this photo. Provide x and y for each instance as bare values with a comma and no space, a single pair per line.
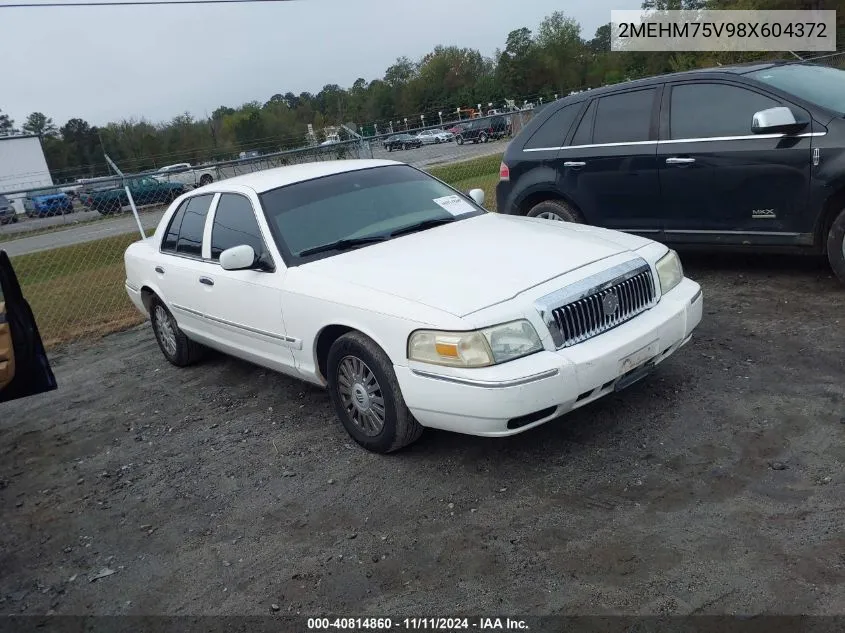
193,226
553,132
584,133
172,234
624,117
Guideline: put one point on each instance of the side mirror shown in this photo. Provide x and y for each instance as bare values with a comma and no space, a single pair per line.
478,196
773,120
238,258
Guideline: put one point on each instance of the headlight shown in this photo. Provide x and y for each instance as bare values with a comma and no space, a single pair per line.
669,271
479,348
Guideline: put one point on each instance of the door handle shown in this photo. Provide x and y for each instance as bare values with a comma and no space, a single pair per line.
159,270
674,160
574,163
206,281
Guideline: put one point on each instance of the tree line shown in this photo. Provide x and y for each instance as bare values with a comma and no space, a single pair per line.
533,65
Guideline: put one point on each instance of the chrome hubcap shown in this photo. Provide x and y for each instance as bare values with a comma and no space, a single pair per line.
549,215
361,395
166,333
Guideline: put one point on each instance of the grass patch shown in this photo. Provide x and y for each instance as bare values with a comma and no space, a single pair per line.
467,169
76,292
478,173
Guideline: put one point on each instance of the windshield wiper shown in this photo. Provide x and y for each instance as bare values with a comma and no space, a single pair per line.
339,245
420,226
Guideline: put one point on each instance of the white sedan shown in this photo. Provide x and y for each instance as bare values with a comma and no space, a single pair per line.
413,305
432,137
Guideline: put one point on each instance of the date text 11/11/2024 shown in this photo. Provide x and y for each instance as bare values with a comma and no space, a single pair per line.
427,623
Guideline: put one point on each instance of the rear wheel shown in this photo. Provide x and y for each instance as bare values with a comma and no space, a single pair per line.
390,148
206,179
556,210
176,347
483,138
404,146
459,140
836,246
366,395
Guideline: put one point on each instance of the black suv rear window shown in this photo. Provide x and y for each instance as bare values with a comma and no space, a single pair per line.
553,132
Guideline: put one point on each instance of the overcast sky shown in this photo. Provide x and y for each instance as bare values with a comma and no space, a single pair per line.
108,63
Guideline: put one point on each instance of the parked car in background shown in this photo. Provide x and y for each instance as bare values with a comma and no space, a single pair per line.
402,141
24,366
145,190
7,211
483,130
749,157
389,308
47,203
435,137
187,174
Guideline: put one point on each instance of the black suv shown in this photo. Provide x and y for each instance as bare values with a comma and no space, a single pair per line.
482,130
748,156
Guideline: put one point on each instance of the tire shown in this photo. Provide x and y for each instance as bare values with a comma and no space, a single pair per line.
390,148
176,347
404,146
437,141
206,179
360,376
556,210
836,246
459,140
483,138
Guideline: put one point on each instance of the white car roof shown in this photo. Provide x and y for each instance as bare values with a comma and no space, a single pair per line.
261,181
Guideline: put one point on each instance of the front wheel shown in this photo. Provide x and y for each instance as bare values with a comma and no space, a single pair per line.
404,146
556,210
206,180
483,138
836,246
366,395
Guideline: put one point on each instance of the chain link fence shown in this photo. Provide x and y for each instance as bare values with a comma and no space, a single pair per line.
67,242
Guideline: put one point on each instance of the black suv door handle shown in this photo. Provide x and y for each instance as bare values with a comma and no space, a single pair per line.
206,281
574,163
674,160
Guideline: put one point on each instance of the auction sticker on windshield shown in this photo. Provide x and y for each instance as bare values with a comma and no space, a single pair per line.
454,205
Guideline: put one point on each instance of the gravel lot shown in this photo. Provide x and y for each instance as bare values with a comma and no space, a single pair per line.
714,486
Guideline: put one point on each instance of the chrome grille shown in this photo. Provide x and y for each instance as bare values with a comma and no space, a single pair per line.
597,305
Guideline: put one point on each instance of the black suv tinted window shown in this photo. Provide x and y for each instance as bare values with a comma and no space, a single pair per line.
584,133
193,225
553,132
234,225
703,110
624,118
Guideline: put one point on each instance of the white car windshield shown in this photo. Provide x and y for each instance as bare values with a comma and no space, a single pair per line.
358,207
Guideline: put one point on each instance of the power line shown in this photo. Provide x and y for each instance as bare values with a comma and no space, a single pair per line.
129,3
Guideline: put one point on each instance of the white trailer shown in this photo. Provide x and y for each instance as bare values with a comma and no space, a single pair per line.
22,166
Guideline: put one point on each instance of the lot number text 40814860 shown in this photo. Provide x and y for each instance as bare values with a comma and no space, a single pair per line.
429,623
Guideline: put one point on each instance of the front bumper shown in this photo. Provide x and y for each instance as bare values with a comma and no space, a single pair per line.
516,396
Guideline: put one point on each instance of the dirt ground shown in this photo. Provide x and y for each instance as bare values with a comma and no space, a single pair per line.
714,486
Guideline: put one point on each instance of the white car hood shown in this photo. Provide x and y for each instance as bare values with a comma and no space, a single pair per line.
471,264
